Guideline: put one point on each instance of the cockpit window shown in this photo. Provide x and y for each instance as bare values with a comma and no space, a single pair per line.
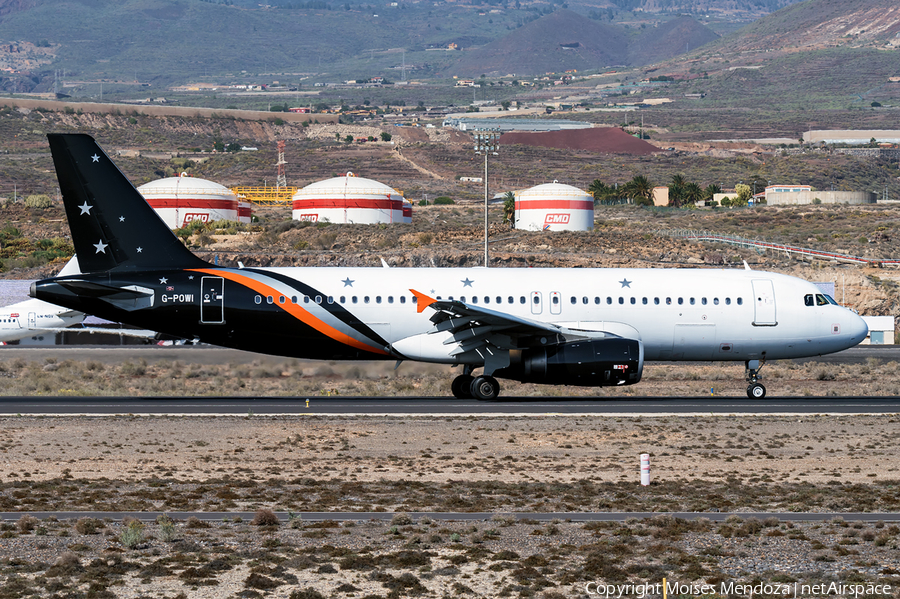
821,300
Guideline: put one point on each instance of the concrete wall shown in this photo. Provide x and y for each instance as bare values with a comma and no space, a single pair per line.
660,196
826,197
845,136
881,328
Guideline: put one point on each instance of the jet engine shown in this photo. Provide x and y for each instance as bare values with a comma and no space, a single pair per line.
591,363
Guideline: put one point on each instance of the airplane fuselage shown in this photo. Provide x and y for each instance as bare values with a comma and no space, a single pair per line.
371,313
34,317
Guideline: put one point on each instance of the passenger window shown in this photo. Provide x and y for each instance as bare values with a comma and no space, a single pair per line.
703,301
402,299
258,299
680,301
305,299
692,301
668,301
343,299
597,300
510,300
366,299
727,301
644,301
269,299
621,300
584,300
487,299
293,299
318,299
281,299
536,300
740,301
474,299
716,301
462,298
655,301
415,300
390,299
377,299
500,299
633,301
521,299
608,301
353,299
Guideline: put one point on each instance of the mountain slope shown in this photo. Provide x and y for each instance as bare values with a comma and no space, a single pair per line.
667,40
554,43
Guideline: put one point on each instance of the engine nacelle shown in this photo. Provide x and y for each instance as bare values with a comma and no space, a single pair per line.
595,363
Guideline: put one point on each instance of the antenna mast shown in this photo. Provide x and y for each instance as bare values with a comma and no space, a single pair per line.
280,179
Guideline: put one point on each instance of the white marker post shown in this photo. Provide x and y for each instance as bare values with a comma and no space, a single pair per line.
645,469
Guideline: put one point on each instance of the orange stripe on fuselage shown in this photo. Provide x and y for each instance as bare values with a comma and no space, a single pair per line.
293,309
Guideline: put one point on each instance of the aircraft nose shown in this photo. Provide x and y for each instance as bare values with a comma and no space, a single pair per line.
857,328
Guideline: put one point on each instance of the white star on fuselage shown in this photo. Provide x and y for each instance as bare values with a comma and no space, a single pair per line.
121,219
85,208
95,158
163,281
101,247
139,250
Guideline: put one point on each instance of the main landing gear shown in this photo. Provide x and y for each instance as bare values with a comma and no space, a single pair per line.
465,386
755,389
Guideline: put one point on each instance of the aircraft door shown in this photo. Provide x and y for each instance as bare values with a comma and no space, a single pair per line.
32,320
764,303
537,304
555,302
212,300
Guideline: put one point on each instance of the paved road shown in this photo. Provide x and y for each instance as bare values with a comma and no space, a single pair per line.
446,406
474,516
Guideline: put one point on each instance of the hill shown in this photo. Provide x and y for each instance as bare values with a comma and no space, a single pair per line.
565,40
667,40
560,41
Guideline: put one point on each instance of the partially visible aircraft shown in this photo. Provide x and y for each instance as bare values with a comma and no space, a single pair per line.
36,317
588,327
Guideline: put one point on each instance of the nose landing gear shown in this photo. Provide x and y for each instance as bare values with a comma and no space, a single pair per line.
755,389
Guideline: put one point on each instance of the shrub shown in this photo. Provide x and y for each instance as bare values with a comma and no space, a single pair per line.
27,523
38,201
401,519
88,526
167,531
132,535
265,517
443,201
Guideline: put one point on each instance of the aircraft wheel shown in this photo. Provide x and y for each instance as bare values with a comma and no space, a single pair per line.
461,386
756,391
485,388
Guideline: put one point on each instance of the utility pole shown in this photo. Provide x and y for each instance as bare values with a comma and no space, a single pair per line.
486,143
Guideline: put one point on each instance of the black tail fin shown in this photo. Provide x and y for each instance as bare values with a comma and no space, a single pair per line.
112,226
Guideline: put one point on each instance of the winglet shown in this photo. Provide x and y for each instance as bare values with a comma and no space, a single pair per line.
422,300
746,266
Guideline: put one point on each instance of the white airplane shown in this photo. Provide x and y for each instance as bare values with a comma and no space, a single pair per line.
35,317
589,327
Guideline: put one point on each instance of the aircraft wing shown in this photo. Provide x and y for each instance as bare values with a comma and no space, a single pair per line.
490,334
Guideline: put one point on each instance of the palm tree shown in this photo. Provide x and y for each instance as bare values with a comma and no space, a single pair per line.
709,193
692,193
601,191
640,190
676,191
509,207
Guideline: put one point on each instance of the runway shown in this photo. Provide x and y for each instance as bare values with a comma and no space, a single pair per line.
432,406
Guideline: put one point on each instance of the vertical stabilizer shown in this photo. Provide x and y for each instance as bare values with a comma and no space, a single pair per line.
112,226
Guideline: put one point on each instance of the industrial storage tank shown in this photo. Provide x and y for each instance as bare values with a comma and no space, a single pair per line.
554,207
245,212
182,200
350,199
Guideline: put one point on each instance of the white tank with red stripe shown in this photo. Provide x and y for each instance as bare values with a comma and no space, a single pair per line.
554,207
351,199
245,212
181,200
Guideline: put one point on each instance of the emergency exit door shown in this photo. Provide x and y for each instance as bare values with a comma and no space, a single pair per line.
764,303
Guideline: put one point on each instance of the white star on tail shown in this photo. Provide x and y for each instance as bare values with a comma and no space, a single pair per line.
139,250
101,247
95,158
85,208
